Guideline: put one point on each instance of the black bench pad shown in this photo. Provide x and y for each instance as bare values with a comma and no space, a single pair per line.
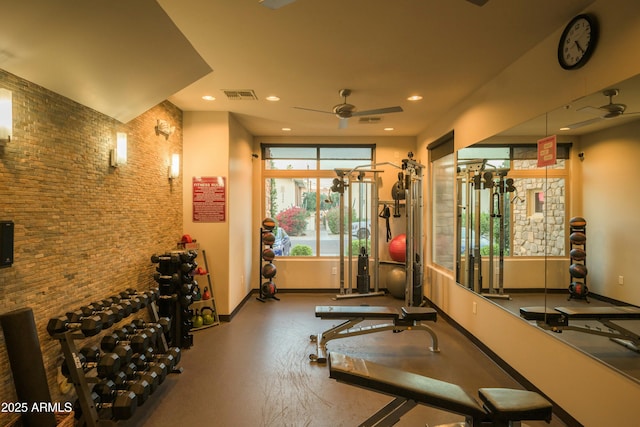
375,312
349,312
419,313
538,313
507,404
424,390
613,312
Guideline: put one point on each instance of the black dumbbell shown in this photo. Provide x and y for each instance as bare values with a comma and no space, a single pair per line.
123,405
173,258
89,326
106,365
153,377
108,388
138,342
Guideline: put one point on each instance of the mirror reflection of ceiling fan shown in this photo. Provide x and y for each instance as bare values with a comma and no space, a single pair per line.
345,110
604,112
277,4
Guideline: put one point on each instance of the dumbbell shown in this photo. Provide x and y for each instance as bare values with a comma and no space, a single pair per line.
189,255
107,316
171,357
122,406
138,342
154,376
89,326
148,361
108,388
141,300
173,258
106,365
162,325
105,306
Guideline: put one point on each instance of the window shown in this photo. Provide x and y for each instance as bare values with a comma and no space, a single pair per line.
297,193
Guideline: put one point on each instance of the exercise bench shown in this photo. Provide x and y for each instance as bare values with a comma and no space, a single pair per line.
404,319
500,406
557,320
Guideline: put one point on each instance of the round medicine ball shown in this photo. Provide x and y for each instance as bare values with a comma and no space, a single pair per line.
269,223
268,254
578,288
577,221
578,254
578,238
578,270
268,270
268,238
269,288
398,248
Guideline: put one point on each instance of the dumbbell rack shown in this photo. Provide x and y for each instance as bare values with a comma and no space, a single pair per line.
175,277
80,380
578,286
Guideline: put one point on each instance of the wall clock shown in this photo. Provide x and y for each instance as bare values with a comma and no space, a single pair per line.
577,42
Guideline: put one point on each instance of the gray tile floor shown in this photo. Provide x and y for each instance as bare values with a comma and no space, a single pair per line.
255,371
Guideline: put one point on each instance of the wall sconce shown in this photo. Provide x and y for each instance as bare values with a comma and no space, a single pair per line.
119,154
174,168
6,115
163,127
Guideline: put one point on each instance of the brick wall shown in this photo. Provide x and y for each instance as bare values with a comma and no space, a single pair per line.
83,230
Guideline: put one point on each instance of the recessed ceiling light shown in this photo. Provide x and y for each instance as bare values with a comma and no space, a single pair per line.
209,98
272,98
389,129
414,98
286,129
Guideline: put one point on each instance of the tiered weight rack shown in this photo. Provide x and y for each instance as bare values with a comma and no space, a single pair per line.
106,314
177,286
578,269
267,289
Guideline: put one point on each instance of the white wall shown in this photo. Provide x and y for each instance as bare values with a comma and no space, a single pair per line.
590,391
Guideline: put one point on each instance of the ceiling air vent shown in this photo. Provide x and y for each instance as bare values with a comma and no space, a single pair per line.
240,95
371,120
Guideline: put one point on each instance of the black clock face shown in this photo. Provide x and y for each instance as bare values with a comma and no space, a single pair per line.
577,42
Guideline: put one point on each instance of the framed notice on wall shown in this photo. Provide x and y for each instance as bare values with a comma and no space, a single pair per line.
209,199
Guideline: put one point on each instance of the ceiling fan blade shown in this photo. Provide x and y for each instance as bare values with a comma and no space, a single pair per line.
478,2
378,111
311,109
275,4
583,123
343,123
593,111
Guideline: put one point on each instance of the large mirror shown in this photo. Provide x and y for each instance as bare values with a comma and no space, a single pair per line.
557,244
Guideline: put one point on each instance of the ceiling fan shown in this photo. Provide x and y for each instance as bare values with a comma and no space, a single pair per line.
604,112
277,4
345,110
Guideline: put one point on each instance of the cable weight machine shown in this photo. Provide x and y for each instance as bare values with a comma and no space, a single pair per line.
366,178
476,177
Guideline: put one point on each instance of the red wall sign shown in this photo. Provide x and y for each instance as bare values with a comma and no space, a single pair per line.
209,199
547,151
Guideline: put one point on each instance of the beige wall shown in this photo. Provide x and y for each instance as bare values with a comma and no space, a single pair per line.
611,203
206,153
590,391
